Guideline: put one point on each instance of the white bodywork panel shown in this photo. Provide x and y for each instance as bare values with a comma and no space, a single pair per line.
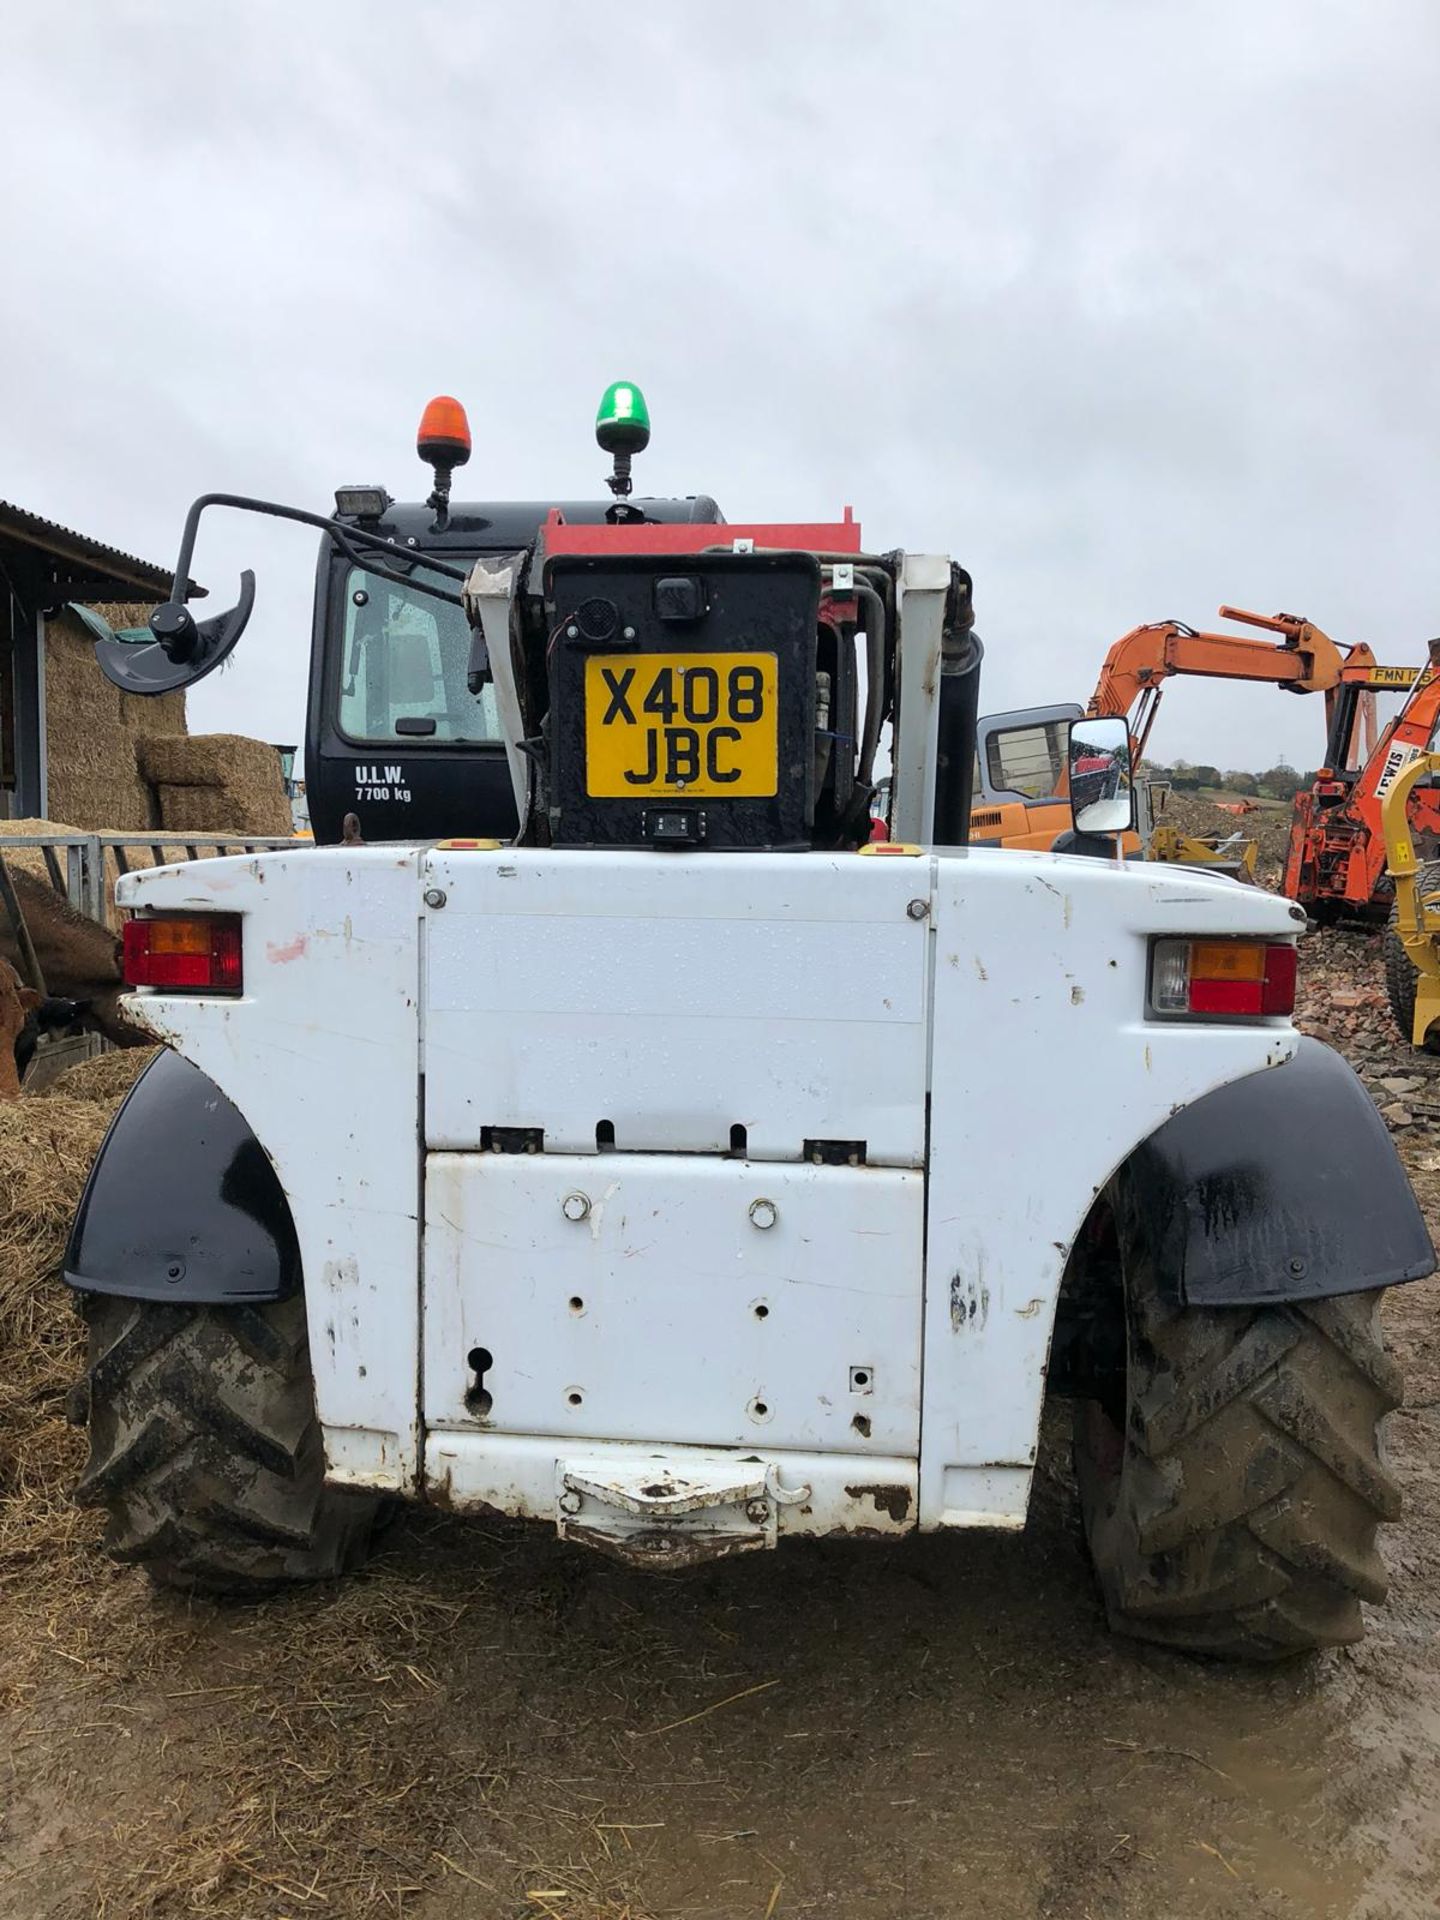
1045,1076
795,1288
977,1020
320,1056
678,1000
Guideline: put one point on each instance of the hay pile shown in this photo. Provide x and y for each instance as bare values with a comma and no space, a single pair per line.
91,730
46,1147
216,783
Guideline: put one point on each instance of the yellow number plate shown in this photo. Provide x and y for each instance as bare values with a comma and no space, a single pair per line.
694,723
1395,676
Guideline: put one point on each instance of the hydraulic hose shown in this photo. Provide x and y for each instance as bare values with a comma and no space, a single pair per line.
955,737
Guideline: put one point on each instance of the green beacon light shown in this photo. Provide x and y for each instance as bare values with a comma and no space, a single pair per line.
622,427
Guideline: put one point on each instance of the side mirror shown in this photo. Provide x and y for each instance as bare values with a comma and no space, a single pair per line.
181,650
1102,785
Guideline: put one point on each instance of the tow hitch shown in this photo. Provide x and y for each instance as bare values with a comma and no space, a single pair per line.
650,1515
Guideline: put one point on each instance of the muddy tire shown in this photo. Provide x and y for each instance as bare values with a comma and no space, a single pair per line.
205,1450
1400,970
1231,1505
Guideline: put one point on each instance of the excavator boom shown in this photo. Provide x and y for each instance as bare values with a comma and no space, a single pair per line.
1136,667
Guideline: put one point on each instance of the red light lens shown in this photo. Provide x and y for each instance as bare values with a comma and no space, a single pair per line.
1282,965
1226,996
191,953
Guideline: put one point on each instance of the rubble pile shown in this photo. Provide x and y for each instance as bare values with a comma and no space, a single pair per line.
1194,814
1268,825
1342,1001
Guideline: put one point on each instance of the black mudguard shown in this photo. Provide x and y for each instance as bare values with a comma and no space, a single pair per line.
1282,1186
182,1203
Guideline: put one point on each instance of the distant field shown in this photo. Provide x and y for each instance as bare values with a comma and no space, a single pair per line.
1221,796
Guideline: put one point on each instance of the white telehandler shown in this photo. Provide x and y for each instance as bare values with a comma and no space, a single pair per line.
599,1126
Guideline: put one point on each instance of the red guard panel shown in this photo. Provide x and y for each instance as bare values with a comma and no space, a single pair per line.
691,536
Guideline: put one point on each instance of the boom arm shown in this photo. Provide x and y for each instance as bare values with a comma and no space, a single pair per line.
1135,669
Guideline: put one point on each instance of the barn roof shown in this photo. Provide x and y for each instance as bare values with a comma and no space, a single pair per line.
83,566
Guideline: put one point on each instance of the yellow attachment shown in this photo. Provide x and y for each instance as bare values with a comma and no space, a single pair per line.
904,848
1169,843
1417,916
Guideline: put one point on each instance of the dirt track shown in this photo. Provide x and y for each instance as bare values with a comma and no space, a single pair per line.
489,1725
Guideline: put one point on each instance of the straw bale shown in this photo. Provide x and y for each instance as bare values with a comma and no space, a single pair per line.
217,783
224,810
208,760
92,729
123,613
196,809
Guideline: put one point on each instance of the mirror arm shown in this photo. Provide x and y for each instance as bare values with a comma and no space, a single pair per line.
182,644
182,650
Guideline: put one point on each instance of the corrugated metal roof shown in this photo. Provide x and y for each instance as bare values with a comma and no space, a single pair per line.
110,567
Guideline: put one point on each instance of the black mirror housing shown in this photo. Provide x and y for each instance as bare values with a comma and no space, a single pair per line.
183,649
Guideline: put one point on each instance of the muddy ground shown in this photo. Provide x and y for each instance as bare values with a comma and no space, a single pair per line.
485,1724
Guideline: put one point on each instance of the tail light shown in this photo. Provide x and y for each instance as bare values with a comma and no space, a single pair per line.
185,953
1222,979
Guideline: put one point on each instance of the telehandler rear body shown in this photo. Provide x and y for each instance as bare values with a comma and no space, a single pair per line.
651,1169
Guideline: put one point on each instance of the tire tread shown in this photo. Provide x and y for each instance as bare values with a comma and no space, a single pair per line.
1243,1518
205,1449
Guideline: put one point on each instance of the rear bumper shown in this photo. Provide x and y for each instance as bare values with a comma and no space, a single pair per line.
671,1506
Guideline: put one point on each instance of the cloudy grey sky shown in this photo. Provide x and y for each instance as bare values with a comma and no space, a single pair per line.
1131,306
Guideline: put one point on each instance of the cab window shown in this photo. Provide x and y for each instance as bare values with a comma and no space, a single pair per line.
403,667
1027,760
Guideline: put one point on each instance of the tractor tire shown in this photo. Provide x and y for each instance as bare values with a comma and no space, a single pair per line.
205,1449
1231,1505
1400,969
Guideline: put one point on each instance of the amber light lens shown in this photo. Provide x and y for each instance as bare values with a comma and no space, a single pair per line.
444,431
1226,960
185,953
1223,978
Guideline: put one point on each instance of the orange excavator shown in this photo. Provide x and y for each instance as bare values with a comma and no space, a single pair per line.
1335,861
1020,792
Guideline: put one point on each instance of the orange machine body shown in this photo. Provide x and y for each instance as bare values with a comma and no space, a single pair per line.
1335,861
